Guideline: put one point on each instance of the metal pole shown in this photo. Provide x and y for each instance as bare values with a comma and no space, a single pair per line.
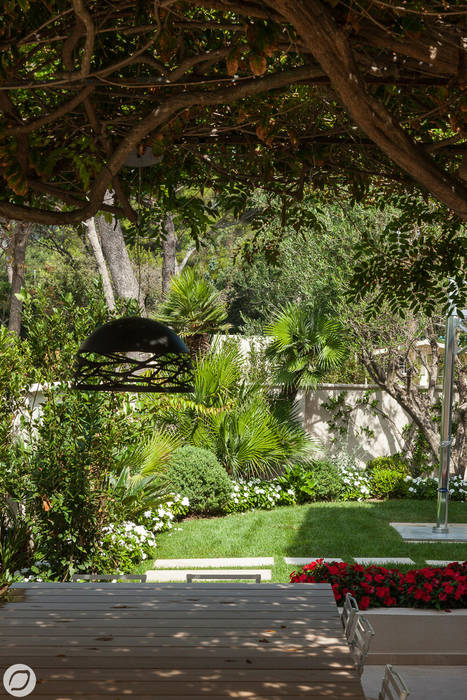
450,351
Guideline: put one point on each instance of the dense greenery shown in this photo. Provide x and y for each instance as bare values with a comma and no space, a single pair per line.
197,474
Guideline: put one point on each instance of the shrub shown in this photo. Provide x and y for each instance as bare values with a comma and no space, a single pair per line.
393,463
387,483
328,481
196,473
375,586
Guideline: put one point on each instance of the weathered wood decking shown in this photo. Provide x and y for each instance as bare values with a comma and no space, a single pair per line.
176,641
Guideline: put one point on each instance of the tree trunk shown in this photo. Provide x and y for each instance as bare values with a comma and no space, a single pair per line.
117,258
169,260
19,242
101,266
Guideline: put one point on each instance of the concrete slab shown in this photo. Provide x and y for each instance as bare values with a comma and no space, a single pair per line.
424,683
308,560
423,532
367,561
442,562
217,562
160,575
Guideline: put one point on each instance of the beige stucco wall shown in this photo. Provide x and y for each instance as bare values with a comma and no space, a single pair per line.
387,428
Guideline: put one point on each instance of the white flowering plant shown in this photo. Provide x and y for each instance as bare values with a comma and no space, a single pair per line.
356,482
259,493
422,487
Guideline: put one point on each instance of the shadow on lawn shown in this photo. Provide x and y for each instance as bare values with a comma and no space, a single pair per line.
345,530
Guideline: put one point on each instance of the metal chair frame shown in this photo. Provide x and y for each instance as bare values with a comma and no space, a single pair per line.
349,615
360,641
393,686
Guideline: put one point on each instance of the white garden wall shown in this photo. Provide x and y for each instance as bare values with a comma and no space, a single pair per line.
386,425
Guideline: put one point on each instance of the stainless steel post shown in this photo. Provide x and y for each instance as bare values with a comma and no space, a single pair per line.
450,351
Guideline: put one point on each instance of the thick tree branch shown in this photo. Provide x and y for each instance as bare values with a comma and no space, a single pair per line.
330,46
155,119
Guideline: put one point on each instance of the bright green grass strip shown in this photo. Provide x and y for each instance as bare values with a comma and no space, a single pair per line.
344,530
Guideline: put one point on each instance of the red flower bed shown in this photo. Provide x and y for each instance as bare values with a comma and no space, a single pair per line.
376,587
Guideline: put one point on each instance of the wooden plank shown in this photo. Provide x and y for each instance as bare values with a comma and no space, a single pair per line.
295,662
172,602
192,622
251,588
177,675
117,690
162,653
173,610
138,617
91,639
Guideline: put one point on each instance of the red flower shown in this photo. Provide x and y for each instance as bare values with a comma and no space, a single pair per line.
382,591
364,602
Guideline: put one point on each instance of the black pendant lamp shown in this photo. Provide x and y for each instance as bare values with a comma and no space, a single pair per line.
134,354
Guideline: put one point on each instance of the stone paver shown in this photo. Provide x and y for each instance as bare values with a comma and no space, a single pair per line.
308,560
423,532
442,562
160,575
365,561
217,562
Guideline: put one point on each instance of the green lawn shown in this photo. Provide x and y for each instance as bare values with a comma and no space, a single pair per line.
342,530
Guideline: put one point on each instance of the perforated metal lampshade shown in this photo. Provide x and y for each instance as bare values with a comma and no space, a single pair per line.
134,354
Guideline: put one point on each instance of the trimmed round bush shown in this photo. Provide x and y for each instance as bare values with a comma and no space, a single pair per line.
195,473
387,483
393,463
327,481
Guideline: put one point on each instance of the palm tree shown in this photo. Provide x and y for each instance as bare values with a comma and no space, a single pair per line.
306,343
195,310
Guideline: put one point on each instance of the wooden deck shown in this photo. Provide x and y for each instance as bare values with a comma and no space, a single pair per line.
202,640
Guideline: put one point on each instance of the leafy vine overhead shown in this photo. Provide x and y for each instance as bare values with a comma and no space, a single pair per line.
283,92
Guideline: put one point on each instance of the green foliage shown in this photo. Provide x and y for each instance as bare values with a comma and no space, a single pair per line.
193,307
328,484
233,418
305,344
387,483
14,537
395,463
196,473
387,476
301,480
136,479
69,503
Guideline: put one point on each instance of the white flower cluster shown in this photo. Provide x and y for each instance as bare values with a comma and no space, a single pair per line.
257,493
356,483
427,486
33,572
162,517
135,539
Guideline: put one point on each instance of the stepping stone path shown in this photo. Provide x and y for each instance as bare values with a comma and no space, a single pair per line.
308,560
177,569
219,562
366,561
160,575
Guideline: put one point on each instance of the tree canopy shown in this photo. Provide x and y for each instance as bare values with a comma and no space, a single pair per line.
309,90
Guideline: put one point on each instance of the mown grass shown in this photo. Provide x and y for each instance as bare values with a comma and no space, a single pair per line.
344,530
